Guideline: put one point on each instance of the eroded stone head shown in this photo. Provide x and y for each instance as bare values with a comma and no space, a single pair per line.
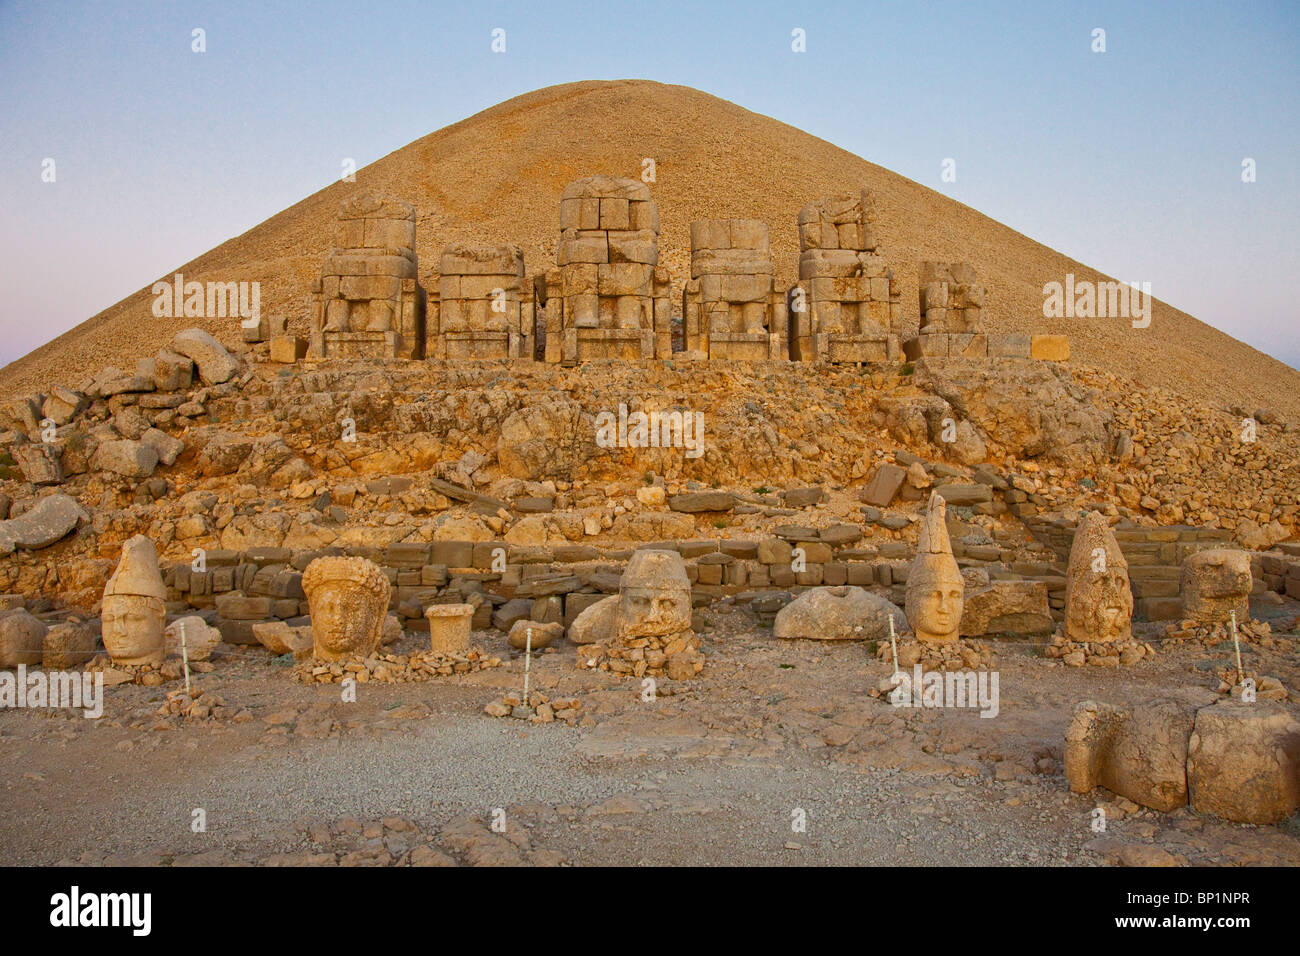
654,596
1216,583
134,606
348,598
935,588
1098,600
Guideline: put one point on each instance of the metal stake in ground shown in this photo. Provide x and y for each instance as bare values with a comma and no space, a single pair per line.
185,658
528,659
1237,645
893,644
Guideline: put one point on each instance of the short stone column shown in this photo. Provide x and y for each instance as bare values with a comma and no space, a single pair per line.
449,626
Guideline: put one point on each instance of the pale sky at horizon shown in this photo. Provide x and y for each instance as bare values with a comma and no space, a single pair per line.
1128,160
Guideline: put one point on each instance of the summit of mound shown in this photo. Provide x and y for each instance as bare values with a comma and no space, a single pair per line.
497,176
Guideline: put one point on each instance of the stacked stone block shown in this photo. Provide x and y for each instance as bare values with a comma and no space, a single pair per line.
731,308
484,308
607,298
952,314
368,302
846,306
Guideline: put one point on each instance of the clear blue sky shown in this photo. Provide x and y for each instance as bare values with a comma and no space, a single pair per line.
1128,160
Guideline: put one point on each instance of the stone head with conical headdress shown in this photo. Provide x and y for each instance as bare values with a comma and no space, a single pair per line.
134,606
935,589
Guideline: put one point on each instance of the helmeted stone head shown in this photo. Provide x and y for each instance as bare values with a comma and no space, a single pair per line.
654,596
1098,600
348,599
134,607
935,588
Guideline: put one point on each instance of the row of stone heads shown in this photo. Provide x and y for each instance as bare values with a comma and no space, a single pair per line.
608,297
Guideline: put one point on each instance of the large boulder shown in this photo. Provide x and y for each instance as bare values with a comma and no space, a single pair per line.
543,635
200,638
280,638
838,614
1007,607
1243,762
550,438
67,646
1138,753
46,522
39,463
167,447
223,454
214,363
22,639
129,458
595,623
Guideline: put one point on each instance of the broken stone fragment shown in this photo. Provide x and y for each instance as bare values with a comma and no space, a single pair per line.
838,614
49,520
214,363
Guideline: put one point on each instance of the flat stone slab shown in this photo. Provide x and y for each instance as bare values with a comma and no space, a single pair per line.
51,519
700,501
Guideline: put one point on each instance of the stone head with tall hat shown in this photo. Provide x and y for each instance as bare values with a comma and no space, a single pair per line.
134,607
935,589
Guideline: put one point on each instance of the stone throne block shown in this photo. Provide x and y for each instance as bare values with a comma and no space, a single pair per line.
484,308
607,297
952,314
368,302
731,308
846,306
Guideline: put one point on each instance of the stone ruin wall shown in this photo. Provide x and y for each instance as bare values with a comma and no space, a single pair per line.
608,298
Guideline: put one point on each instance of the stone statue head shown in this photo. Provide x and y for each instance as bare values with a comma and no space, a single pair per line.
1215,583
1098,600
134,607
654,596
935,588
348,599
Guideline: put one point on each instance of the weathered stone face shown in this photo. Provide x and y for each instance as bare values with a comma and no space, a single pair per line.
133,610
1214,584
348,599
654,596
1098,601
133,629
935,588
935,594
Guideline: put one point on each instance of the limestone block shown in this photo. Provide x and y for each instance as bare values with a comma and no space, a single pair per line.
1243,762
22,639
214,363
1138,753
1050,348
288,349
614,213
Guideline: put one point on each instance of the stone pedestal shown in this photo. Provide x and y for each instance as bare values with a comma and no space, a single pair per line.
449,627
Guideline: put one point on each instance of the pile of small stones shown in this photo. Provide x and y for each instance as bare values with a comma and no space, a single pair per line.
147,675
1210,635
541,709
676,656
943,656
1098,653
196,705
395,668
1266,688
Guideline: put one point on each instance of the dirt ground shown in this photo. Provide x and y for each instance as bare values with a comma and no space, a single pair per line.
719,770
